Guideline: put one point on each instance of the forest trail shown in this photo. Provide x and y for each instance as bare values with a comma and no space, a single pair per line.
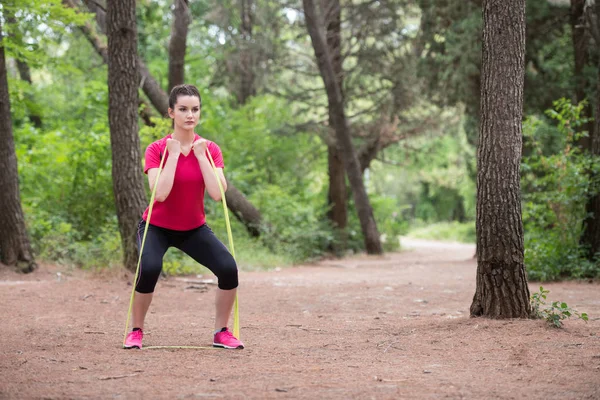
389,327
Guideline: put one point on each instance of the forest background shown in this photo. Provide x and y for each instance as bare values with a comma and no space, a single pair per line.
410,78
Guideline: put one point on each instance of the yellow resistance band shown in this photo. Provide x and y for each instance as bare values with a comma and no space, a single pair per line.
236,313
236,325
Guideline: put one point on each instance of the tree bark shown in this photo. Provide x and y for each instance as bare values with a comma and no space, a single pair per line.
123,78
580,51
177,44
340,124
591,234
15,247
241,207
337,196
502,290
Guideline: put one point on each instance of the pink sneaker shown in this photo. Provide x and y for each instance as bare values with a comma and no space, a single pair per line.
226,340
134,340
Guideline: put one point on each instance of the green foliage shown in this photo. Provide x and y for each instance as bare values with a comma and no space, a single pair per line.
65,166
451,59
556,312
556,186
549,55
430,175
255,150
451,231
390,221
39,28
297,226
65,170
58,241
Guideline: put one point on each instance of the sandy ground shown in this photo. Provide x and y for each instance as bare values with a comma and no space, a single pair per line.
390,327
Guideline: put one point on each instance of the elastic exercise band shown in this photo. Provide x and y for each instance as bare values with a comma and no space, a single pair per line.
181,347
137,269
236,314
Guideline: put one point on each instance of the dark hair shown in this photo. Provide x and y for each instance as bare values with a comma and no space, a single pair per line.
183,90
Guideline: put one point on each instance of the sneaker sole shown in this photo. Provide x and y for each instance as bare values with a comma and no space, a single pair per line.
222,346
132,347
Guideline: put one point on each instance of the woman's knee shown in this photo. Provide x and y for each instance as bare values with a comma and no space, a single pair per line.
148,276
227,274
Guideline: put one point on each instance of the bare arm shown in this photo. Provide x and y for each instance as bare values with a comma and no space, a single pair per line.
165,181
210,180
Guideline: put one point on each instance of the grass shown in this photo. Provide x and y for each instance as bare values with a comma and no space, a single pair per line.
445,231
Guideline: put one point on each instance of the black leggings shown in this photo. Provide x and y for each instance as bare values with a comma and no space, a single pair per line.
201,244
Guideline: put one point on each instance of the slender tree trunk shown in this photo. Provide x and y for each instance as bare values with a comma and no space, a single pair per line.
15,248
337,196
580,51
591,234
340,124
246,58
177,45
241,207
502,290
25,73
123,79
98,7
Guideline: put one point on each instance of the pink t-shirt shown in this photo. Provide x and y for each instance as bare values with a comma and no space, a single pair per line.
183,209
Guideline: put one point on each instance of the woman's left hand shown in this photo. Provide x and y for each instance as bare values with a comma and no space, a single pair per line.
200,147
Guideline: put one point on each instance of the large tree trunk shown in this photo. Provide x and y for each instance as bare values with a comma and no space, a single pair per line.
580,51
241,207
123,79
177,44
591,234
337,195
340,124
502,290
15,248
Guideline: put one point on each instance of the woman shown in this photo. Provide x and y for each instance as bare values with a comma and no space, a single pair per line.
178,217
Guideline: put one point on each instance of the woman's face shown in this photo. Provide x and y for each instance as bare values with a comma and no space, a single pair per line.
186,112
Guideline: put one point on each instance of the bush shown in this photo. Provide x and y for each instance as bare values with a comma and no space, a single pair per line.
297,227
556,183
390,223
463,232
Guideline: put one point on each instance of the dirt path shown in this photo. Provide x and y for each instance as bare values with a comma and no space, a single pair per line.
371,328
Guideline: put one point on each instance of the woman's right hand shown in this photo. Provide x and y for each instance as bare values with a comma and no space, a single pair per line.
173,146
